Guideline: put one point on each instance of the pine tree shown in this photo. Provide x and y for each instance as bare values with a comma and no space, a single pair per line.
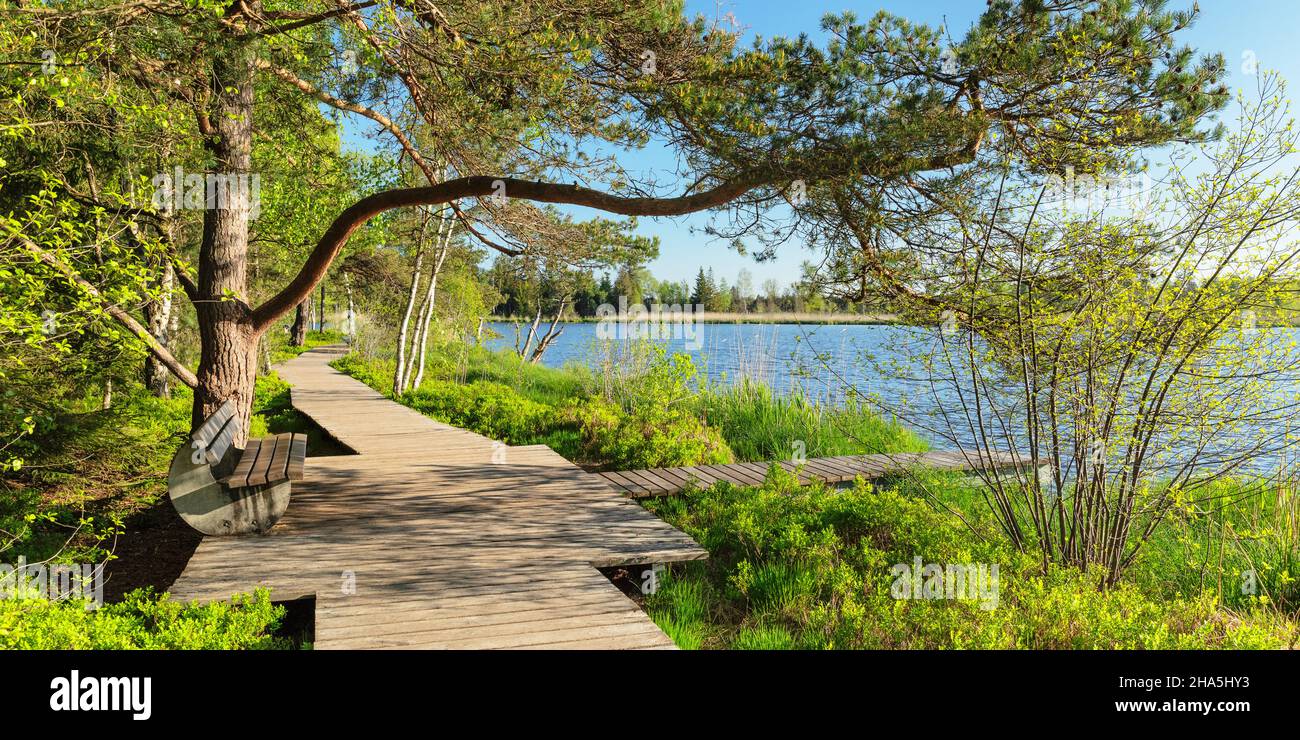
705,293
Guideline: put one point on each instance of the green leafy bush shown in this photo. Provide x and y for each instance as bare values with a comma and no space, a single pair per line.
649,438
142,621
90,468
488,408
1244,545
810,567
654,422
377,374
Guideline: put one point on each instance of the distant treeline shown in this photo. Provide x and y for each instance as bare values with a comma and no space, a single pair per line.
578,294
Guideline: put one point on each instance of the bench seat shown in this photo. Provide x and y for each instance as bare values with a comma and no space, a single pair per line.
269,460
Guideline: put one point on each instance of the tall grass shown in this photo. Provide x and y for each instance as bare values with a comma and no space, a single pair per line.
1245,547
465,363
760,425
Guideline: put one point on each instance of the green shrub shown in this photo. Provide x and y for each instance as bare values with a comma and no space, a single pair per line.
142,621
488,408
89,468
654,424
648,438
377,374
810,567
273,410
1244,545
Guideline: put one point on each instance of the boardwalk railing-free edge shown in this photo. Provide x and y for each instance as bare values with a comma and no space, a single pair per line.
220,489
836,470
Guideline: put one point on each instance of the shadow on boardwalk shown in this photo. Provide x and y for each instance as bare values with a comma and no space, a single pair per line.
433,536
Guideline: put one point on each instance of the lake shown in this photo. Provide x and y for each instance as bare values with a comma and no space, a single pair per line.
886,364
822,361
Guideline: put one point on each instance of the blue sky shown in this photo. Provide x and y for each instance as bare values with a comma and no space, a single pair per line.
1268,30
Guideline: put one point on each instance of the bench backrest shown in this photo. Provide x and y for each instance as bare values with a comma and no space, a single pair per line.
212,440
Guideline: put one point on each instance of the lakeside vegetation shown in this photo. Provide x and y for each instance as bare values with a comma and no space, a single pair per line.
809,567
660,414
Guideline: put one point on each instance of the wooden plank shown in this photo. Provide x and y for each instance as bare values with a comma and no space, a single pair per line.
207,431
703,478
693,477
447,549
279,469
837,469
238,478
800,471
756,472
653,485
726,474
626,483
832,464
215,451
297,456
828,473
660,482
671,475
264,469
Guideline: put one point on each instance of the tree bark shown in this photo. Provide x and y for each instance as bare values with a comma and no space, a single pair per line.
228,361
422,336
532,332
552,333
336,236
158,318
349,317
301,319
399,371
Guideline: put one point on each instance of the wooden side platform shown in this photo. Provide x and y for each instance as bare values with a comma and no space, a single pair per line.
436,537
667,481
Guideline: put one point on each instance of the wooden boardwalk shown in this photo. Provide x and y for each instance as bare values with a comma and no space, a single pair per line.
436,537
667,481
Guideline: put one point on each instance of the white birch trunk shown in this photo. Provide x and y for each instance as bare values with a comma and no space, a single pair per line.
399,373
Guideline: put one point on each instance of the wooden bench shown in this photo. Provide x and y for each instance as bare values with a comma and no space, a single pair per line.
220,489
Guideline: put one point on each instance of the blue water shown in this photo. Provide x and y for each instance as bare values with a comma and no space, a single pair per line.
820,361
878,363
897,369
